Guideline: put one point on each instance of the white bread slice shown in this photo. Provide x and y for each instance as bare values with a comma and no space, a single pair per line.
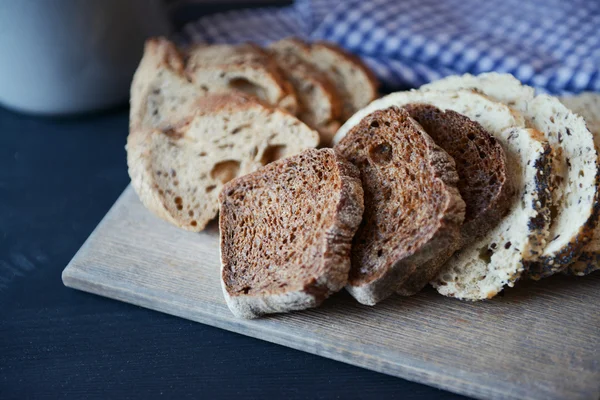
575,169
245,67
587,105
504,88
286,232
481,269
319,106
355,83
178,173
161,96
528,220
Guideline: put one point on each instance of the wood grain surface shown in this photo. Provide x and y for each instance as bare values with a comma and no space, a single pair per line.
540,340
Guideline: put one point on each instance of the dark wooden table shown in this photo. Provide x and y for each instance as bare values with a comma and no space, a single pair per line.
58,177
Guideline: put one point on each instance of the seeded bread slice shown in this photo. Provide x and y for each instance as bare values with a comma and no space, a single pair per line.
355,83
533,220
319,105
245,67
178,173
587,105
481,269
575,180
482,172
286,232
413,211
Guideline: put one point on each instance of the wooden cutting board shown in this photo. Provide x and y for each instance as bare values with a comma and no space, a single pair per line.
540,340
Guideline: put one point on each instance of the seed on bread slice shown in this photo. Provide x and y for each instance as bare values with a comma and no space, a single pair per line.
413,210
178,173
482,172
496,118
355,83
575,180
244,67
481,269
319,106
286,232
587,105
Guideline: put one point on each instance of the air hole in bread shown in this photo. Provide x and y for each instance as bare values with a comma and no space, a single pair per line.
272,153
382,153
485,254
225,171
374,124
581,174
240,128
210,188
193,223
244,85
202,154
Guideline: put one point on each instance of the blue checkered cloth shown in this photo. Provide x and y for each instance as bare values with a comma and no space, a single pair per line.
553,45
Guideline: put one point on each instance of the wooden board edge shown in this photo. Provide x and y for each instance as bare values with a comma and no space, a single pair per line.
75,279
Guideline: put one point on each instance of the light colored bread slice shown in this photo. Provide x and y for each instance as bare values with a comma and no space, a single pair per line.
532,221
575,186
587,105
178,173
161,96
483,178
245,67
481,269
286,232
318,103
504,88
491,115
413,211
355,83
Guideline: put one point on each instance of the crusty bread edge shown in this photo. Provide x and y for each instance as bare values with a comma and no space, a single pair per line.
447,236
349,210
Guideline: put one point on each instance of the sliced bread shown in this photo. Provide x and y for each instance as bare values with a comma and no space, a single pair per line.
286,232
575,172
587,105
161,97
482,172
178,173
481,269
413,210
319,105
532,220
245,67
355,83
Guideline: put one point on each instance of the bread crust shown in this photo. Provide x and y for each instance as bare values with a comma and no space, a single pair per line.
330,265
372,145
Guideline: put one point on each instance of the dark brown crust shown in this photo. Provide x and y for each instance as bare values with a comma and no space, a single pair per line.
547,266
403,252
483,184
330,266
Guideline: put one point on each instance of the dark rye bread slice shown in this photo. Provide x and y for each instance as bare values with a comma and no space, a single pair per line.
413,210
286,232
483,179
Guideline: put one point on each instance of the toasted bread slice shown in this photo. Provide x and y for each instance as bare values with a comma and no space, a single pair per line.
413,211
286,233
587,105
178,173
575,180
531,225
244,67
482,172
319,105
355,83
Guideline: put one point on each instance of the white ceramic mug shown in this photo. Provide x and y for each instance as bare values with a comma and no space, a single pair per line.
72,56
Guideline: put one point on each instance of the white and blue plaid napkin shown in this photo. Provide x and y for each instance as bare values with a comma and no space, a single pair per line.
553,45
